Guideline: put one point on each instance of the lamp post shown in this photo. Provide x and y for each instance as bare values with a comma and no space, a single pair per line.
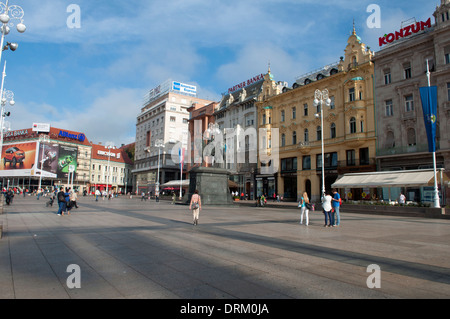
319,98
7,14
42,140
159,144
109,146
5,97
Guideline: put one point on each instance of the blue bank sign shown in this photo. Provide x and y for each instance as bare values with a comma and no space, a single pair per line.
79,137
184,88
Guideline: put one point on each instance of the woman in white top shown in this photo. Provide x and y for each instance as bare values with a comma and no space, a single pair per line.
304,209
326,205
195,206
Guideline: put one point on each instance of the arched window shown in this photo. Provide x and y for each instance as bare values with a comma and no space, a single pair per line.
390,139
352,125
283,139
319,133
333,130
306,135
294,138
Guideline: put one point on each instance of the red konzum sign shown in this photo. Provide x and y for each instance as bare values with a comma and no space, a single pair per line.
405,32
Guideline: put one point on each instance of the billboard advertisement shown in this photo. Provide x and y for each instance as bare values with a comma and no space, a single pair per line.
67,160
48,160
18,159
35,158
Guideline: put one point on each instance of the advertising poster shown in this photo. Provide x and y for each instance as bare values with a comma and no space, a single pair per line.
18,159
67,157
48,159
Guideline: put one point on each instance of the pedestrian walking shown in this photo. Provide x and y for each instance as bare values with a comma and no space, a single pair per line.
195,206
73,199
97,194
336,204
304,201
326,206
143,198
61,201
67,197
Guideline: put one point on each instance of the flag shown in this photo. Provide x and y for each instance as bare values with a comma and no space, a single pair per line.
181,155
429,106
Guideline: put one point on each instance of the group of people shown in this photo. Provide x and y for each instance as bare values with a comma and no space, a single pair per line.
66,200
330,206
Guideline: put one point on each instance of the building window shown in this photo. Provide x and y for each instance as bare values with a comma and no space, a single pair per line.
407,70
306,162
409,103
351,158
264,119
282,116
333,130
319,133
294,138
387,76
390,140
448,91
173,119
331,160
352,125
333,105
305,109
289,164
294,113
306,135
364,156
411,137
447,54
389,108
283,139
351,94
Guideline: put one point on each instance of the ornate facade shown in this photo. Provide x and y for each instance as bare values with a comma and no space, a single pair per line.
348,124
400,71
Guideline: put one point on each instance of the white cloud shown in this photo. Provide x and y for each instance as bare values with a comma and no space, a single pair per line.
111,116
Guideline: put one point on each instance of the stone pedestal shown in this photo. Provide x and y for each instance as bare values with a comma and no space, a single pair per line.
212,186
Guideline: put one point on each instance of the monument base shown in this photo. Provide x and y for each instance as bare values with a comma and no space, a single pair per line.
212,186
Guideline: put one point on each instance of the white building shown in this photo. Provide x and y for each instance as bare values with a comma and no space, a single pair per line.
163,118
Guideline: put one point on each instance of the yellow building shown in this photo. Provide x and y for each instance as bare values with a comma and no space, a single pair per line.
348,126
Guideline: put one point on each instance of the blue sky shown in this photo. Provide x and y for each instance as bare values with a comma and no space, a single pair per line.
93,79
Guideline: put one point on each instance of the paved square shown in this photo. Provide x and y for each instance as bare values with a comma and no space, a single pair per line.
126,248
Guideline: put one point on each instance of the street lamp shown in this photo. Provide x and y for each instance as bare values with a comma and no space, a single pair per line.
5,97
159,144
42,140
109,146
319,98
7,14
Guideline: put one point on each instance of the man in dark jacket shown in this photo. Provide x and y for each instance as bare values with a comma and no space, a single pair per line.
61,201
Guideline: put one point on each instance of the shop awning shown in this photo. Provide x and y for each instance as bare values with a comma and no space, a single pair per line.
413,178
185,183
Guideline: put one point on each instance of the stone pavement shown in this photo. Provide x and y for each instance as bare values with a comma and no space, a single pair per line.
126,248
